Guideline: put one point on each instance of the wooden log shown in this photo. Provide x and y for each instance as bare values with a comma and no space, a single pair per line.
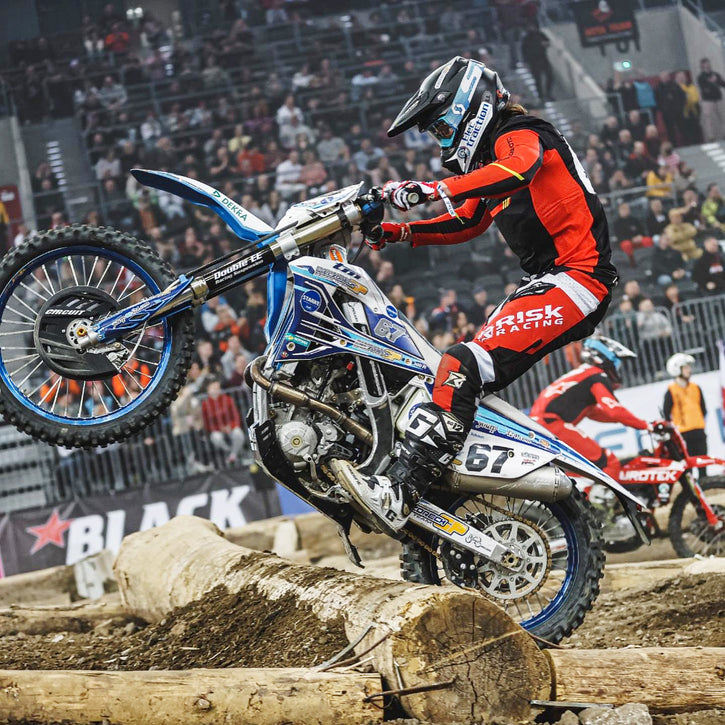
55,585
433,635
644,574
79,617
187,697
666,679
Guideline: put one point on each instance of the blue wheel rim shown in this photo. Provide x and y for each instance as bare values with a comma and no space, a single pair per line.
572,566
165,352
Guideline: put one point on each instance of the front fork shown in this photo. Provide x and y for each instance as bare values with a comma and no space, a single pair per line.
698,495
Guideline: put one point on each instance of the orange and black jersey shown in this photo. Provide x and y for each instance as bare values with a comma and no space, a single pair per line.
540,197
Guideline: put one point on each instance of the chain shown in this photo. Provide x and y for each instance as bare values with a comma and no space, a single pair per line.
509,514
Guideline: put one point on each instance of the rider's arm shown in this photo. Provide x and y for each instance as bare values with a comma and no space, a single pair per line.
610,410
518,156
473,219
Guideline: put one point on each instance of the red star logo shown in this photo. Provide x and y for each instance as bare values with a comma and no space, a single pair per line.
51,532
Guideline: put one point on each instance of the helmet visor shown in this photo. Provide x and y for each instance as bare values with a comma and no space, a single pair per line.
442,132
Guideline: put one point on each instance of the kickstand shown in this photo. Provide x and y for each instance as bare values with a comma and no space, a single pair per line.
350,549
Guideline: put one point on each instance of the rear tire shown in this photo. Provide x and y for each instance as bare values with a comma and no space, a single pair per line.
585,539
32,421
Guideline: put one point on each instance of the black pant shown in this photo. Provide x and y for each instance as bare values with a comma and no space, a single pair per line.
696,442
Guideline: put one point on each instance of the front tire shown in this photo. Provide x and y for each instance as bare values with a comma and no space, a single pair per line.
689,531
73,259
580,572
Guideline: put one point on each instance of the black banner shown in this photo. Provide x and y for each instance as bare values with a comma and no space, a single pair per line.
605,21
43,537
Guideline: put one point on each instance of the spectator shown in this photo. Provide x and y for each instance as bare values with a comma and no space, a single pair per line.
667,262
367,155
639,163
151,130
290,133
709,270
112,94
331,148
251,161
361,81
236,379
651,324
443,317
274,208
690,208
630,232
214,75
313,174
682,236
610,133
117,40
671,99
288,176
480,304
656,218
239,140
637,125
713,115
652,141
633,293
691,131
713,209
533,49
233,351
222,421
108,166
659,183
287,111
672,302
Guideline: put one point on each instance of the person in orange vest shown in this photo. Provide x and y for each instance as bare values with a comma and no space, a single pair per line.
685,404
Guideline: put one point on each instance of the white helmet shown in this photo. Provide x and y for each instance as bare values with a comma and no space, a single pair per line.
677,362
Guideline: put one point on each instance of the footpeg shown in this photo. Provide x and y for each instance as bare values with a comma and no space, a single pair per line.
350,548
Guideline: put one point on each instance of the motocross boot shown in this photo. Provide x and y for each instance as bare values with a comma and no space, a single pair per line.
432,439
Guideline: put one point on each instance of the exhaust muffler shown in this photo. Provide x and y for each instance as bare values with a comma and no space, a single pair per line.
544,484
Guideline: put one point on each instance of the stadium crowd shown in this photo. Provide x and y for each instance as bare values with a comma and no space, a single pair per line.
271,139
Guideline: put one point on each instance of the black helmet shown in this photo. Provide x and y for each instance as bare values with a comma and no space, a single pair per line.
606,354
457,104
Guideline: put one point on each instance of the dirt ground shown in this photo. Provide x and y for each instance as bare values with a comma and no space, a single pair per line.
224,630
686,611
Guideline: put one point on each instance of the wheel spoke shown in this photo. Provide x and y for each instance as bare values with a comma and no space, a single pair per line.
118,276
21,314
50,284
138,289
100,281
56,384
80,405
128,284
90,274
72,269
32,291
20,385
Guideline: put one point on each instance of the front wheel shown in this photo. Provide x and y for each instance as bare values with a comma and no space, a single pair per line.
560,545
690,532
58,283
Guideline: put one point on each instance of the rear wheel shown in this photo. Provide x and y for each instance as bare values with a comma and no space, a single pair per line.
560,542
52,287
690,532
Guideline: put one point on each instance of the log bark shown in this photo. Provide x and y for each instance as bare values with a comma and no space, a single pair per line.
666,679
174,697
643,574
79,617
434,634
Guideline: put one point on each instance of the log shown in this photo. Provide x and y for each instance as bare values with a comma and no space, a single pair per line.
433,635
55,585
79,617
173,697
644,574
666,679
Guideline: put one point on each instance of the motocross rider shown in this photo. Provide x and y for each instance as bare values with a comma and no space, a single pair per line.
520,172
588,392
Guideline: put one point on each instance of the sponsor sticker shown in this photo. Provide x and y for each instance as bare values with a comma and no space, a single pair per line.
311,301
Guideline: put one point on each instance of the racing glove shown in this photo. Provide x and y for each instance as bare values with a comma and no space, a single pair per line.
404,195
385,233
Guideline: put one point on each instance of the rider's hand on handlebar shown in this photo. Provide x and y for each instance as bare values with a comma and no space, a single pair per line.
404,195
657,426
377,237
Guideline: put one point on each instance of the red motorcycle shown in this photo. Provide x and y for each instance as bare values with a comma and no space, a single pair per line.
697,515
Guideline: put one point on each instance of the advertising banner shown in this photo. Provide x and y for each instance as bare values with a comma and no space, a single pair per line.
605,21
44,537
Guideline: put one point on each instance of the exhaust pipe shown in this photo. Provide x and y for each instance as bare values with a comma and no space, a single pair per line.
544,484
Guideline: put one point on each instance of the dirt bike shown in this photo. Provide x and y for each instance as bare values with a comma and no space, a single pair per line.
697,516
96,335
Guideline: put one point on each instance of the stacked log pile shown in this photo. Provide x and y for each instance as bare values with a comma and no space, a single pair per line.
451,656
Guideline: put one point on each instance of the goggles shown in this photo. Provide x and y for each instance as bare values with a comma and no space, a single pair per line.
441,130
